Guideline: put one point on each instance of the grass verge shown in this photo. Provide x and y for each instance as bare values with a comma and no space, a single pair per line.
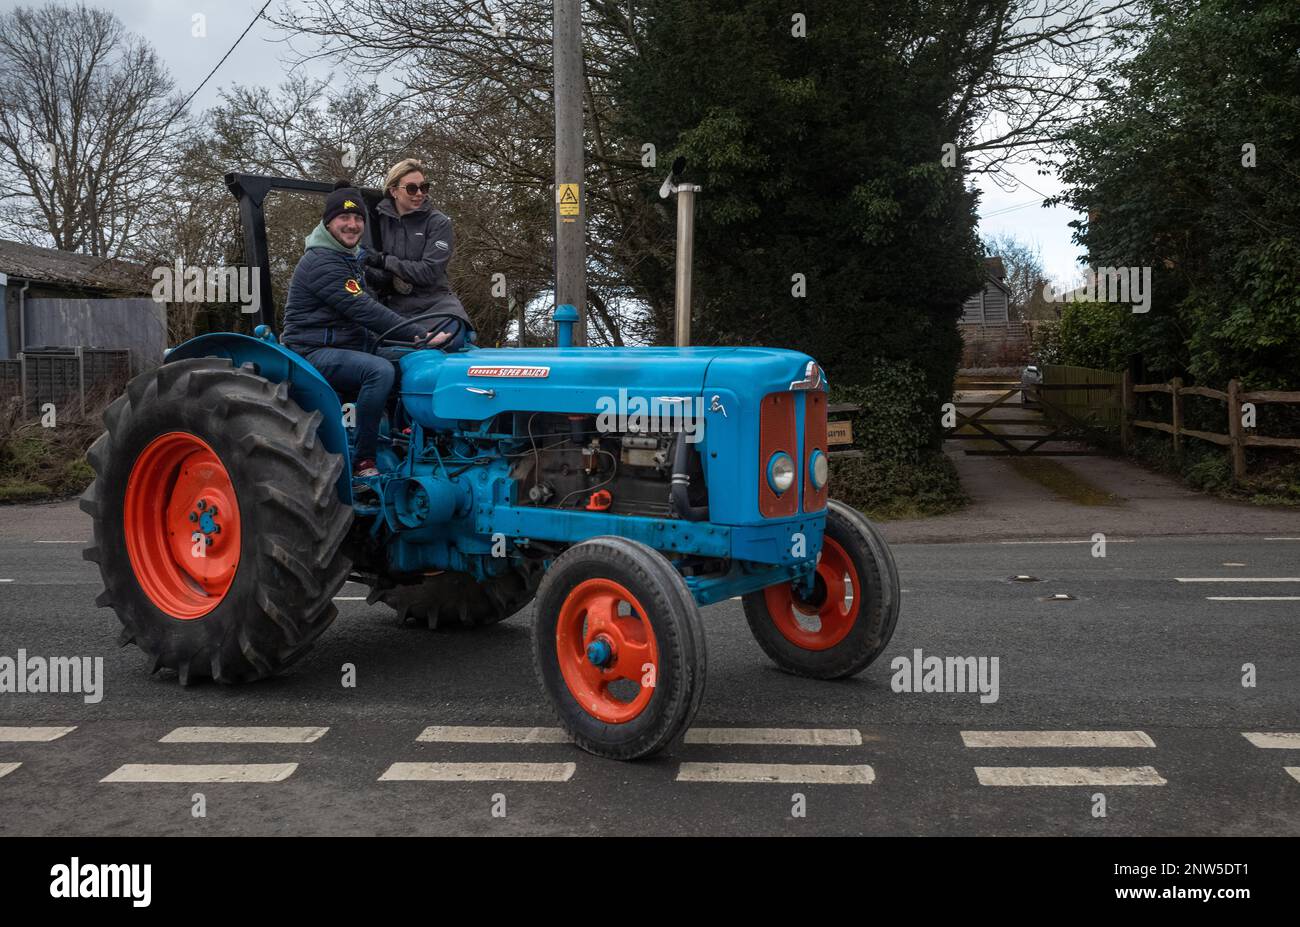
1061,481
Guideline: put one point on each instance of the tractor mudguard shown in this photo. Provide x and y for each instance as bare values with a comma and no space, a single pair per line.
277,363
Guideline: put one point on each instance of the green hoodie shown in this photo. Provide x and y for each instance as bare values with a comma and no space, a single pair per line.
320,237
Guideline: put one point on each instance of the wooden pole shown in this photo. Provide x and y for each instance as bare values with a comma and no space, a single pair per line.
1177,384
1126,412
1236,448
570,206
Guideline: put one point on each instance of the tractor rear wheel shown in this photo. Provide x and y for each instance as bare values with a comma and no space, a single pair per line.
851,614
618,647
458,600
217,525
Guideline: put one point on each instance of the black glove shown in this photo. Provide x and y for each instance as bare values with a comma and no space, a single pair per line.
380,280
375,259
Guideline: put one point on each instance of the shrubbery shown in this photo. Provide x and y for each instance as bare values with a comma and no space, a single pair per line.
38,463
1185,167
902,471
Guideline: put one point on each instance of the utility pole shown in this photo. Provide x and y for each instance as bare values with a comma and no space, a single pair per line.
570,214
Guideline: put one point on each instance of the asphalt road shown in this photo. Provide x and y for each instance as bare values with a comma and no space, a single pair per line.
1135,650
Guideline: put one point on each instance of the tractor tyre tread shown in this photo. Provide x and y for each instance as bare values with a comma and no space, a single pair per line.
293,523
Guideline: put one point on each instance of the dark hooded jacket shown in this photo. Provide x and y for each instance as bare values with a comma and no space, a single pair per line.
328,304
418,247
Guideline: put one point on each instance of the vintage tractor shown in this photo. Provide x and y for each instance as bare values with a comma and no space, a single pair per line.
618,489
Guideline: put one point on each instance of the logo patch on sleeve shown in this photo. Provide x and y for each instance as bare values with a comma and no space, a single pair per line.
352,287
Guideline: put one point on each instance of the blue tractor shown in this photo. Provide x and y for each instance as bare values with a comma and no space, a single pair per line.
616,489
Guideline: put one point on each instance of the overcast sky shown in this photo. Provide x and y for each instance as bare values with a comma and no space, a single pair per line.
264,58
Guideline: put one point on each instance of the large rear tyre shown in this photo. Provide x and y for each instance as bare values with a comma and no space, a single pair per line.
458,600
851,615
217,526
618,648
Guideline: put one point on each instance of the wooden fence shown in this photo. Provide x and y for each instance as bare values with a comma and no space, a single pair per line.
62,376
1084,395
1236,440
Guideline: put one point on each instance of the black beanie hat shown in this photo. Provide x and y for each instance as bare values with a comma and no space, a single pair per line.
343,199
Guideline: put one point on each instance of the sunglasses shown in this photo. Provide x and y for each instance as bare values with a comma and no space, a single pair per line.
412,189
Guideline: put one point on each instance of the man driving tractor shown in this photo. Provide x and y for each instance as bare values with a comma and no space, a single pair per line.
328,314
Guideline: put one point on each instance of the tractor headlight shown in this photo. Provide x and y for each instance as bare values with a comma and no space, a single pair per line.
819,470
780,472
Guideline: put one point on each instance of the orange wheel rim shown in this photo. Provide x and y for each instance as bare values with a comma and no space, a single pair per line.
605,654
181,521
835,603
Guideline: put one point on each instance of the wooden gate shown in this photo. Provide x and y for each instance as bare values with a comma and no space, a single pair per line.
1028,408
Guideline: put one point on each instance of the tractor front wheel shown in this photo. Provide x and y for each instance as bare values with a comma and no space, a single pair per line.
217,525
618,647
848,619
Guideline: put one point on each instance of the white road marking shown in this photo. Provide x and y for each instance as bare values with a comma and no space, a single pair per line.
1108,541
493,735
55,582
1068,775
1252,598
12,735
788,737
1274,741
60,542
479,772
244,735
1238,579
1228,563
349,598
7,768
781,773
1282,539
1294,771
1056,739
198,772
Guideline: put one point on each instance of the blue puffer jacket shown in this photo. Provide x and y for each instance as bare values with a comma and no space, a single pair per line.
328,303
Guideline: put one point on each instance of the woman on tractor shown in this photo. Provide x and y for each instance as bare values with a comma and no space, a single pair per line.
411,270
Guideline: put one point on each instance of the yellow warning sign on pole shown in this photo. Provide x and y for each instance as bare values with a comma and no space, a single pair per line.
567,197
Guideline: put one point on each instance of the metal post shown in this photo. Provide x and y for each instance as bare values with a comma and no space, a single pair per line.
81,377
257,254
570,216
685,249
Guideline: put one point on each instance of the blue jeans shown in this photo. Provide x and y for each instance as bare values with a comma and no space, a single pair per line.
366,376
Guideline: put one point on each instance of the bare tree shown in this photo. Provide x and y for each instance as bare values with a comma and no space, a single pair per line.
1032,68
482,72
1025,278
86,131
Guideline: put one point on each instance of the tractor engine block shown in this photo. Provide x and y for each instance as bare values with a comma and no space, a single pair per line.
565,462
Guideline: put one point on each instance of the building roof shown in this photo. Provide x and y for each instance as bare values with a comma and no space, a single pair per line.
997,273
65,268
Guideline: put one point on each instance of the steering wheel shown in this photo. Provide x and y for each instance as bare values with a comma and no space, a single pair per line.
459,329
